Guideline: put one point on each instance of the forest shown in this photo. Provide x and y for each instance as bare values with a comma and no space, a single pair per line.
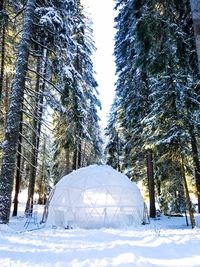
49,123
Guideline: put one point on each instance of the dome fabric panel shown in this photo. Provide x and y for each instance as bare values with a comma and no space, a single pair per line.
93,197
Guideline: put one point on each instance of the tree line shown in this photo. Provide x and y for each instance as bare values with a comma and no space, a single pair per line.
49,124
153,127
48,96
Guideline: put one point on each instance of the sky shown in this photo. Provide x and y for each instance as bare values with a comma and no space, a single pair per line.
102,15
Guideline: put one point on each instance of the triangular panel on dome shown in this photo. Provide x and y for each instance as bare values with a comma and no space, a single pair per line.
93,197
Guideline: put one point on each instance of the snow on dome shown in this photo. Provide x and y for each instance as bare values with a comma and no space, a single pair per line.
94,197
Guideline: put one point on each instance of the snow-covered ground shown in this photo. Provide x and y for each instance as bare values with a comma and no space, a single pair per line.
164,242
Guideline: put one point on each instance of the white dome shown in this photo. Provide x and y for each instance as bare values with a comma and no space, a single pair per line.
93,197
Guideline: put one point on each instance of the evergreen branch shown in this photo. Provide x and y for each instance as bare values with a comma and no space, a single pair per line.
29,150
42,77
35,55
44,46
26,160
15,36
31,95
32,116
39,25
35,93
38,104
47,96
31,128
19,12
21,172
26,139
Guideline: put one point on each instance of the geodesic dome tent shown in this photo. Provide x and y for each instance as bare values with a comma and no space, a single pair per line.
94,197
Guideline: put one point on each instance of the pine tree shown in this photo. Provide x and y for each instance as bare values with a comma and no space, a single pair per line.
172,65
77,132
113,150
60,47
157,89
133,92
3,20
13,120
196,23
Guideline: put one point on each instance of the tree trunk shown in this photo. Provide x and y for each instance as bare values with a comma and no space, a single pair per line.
3,33
1,5
37,121
79,156
188,201
75,156
151,185
42,198
32,173
118,152
67,162
195,7
31,185
2,60
13,119
18,171
6,99
158,185
41,181
84,153
196,163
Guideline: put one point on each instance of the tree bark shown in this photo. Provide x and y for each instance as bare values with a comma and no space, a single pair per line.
32,174
188,201
195,8
2,57
151,185
118,152
1,5
158,184
3,33
6,99
79,156
18,171
41,181
13,119
67,161
75,156
38,111
196,163
42,197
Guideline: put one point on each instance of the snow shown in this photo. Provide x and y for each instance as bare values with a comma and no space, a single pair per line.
164,242
68,72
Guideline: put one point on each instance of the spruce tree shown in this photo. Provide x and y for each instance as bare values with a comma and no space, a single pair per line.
133,92
13,120
172,64
77,137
